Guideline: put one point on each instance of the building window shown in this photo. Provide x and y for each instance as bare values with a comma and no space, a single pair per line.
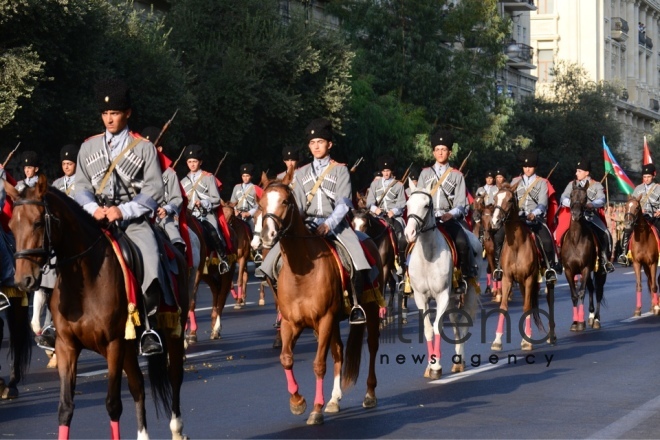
545,63
545,6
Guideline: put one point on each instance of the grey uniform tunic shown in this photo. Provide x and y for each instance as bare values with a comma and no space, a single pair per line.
595,196
450,196
394,200
330,205
487,193
245,198
135,187
201,186
66,184
172,202
650,203
536,200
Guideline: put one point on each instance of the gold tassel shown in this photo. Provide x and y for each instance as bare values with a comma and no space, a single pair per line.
373,295
132,320
473,283
406,284
170,321
15,292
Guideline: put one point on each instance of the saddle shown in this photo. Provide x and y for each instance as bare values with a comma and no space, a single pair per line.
130,254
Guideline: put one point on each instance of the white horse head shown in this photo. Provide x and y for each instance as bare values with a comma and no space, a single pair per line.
420,212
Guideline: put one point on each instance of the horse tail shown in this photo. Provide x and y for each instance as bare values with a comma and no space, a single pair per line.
20,347
535,308
353,355
161,388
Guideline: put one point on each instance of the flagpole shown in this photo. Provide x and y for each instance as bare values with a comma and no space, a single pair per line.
607,191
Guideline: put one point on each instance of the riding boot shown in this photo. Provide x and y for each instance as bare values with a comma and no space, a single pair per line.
220,248
497,272
357,315
150,342
623,258
46,339
181,247
605,261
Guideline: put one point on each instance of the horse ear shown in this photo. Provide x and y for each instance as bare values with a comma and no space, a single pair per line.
515,186
11,191
264,180
288,177
574,184
42,185
586,185
411,184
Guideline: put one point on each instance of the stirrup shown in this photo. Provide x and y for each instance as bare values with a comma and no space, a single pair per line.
160,342
4,301
43,341
223,267
357,315
497,274
258,258
609,267
550,275
623,260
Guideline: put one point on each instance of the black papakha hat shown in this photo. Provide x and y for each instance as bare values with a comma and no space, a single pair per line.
414,173
193,152
583,164
290,153
247,168
528,158
385,163
30,159
319,128
442,137
150,134
649,168
112,94
490,173
500,172
69,152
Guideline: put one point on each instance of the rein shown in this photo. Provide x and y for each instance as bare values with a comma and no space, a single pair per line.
419,220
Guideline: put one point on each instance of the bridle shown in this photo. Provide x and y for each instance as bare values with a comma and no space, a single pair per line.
419,229
46,249
507,214
577,205
280,229
630,217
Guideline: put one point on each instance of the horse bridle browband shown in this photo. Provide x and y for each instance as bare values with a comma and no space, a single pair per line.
421,221
46,250
279,221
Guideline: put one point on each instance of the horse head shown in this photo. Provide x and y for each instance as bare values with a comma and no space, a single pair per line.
277,206
31,225
361,219
486,218
505,205
633,212
420,212
579,200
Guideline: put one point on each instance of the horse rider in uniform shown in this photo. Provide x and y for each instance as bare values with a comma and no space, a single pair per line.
485,196
322,190
386,198
413,175
118,179
203,201
244,196
290,156
7,248
30,161
500,178
595,200
66,184
447,186
648,193
167,215
532,197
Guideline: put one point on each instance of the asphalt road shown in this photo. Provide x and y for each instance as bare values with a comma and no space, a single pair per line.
594,384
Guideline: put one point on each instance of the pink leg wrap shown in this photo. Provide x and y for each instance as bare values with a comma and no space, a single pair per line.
499,284
436,348
64,433
291,383
429,348
240,291
655,299
580,313
500,325
193,321
528,326
639,299
319,400
233,293
575,313
114,430
488,279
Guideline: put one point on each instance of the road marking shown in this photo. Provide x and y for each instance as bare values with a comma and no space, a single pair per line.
144,363
468,373
630,421
635,318
203,309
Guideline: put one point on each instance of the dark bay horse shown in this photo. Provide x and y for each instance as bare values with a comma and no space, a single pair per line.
310,295
489,249
578,256
520,264
90,307
644,250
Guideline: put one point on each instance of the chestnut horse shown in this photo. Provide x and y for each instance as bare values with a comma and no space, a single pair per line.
90,307
520,264
644,250
578,257
310,295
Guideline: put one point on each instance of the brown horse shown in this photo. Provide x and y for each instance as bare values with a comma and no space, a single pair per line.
495,287
220,285
644,249
520,263
310,295
90,307
578,256
196,273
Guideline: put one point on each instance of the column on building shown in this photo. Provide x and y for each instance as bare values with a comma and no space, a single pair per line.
642,58
631,53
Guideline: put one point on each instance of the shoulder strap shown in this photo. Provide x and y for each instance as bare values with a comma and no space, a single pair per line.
642,202
389,187
440,181
114,163
245,193
316,186
529,188
194,187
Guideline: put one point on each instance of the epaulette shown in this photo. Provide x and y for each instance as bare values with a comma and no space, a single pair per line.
456,170
94,136
337,163
137,135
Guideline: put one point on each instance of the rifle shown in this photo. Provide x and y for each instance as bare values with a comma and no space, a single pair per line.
465,161
164,129
552,171
403,179
220,164
9,156
355,165
178,158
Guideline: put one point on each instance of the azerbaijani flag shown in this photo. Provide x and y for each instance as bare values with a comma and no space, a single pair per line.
647,154
612,167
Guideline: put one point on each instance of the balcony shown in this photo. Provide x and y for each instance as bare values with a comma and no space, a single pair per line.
520,55
649,43
518,5
619,29
654,105
645,41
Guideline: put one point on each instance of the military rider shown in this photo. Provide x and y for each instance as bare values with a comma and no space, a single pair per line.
30,162
532,196
290,156
449,194
118,179
328,206
485,196
386,197
203,200
648,193
595,200
244,196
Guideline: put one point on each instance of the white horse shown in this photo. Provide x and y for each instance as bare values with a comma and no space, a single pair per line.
430,270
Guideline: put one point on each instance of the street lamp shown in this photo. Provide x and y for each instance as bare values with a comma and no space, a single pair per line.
512,49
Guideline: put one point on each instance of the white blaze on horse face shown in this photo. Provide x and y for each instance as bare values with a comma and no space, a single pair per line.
359,224
269,231
256,238
496,213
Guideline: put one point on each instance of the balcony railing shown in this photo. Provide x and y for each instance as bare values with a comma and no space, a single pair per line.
654,104
645,41
520,55
619,29
649,43
518,5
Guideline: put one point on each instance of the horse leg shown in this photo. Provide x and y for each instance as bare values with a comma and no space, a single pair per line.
38,303
290,334
324,330
67,367
638,288
136,387
552,334
191,338
507,287
570,278
655,303
598,283
18,321
337,351
262,293
528,289
373,334
404,309
240,293
584,277
176,356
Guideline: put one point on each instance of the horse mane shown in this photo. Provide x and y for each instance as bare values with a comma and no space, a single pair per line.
74,207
